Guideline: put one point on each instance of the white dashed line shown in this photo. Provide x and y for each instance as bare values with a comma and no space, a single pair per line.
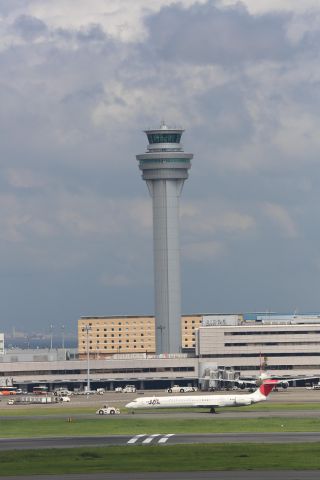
166,438
152,437
135,439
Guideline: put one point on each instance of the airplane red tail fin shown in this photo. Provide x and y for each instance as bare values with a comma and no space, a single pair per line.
267,386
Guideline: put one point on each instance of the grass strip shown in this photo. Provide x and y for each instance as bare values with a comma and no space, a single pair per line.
130,425
160,458
41,410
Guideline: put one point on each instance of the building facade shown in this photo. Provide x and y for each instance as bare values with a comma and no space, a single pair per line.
116,335
141,370
111,335
283,347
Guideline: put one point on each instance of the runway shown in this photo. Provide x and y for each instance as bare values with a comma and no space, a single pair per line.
156,439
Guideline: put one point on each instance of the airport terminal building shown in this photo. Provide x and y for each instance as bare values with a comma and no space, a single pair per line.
225,347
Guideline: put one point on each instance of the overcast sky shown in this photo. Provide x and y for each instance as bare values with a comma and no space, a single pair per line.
80,80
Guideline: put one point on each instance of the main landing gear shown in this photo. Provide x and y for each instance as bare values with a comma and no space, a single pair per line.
212,410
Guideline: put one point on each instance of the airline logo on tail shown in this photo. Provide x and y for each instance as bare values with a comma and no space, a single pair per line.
267,387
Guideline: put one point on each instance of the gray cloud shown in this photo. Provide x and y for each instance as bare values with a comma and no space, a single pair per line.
29,27
206,34
76,236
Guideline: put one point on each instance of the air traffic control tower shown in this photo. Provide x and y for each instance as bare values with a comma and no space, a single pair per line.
165,168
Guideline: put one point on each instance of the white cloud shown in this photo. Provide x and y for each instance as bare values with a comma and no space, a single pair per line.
25,178
281,218
203,251
117,280
206,217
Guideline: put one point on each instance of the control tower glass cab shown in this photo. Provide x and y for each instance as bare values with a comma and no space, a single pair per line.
165,168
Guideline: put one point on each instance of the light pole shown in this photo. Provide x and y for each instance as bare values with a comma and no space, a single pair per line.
87,329
62,330
51,335
62,343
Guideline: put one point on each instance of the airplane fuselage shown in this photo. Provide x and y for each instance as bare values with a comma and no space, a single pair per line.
181,401
209,401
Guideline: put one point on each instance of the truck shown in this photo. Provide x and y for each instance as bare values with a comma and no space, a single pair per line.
180,389
106,410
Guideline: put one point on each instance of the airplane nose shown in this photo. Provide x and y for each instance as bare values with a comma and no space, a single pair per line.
129,405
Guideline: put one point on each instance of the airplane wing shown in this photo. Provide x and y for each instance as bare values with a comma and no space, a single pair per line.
283,381
287,380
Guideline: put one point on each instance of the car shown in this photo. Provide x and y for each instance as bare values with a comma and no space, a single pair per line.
11,401
129,389
105,410
178,389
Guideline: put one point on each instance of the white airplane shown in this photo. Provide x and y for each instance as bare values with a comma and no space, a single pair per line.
209,401
283,381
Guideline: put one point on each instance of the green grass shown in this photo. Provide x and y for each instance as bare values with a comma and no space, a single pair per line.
42,410
159,458
131,425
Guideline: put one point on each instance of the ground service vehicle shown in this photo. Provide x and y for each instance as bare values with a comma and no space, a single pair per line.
126,389
62,398
8,390
129,389
40,390
316,386
177,389
62,392
105,410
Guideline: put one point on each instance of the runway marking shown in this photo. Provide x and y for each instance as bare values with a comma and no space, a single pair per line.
136,438
166,438
152,437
